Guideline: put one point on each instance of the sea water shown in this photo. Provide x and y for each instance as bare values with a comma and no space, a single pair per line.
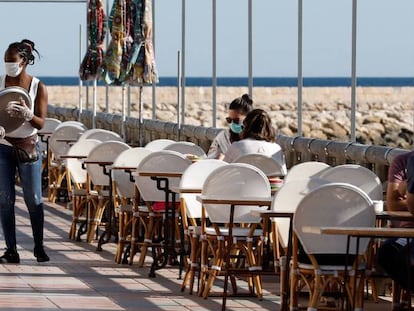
260,81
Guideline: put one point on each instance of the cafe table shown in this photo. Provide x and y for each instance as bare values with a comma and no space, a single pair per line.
163,184
284,261
183,190
118,231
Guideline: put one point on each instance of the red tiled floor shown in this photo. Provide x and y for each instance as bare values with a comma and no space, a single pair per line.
80,278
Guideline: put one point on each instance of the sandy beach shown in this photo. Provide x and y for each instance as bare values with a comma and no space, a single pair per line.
384,114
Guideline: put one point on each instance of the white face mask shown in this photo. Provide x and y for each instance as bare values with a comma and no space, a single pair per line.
13,69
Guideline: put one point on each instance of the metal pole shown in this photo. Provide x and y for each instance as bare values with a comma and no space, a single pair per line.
94,105
183,62
129,101
154,95
107,44
123,112
88,83
80,80
141,118
250,47
353,70
300,69
214,62
179,103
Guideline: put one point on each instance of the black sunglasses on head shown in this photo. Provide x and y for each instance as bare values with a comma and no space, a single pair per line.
235,120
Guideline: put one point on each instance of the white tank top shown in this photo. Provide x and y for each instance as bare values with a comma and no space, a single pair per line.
26,129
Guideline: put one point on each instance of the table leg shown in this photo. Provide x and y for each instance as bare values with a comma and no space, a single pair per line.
286,274
161,260
110,230
409,272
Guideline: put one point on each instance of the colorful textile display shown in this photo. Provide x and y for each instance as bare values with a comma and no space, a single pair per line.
90,66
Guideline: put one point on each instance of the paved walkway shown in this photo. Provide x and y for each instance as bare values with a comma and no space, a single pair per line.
80,278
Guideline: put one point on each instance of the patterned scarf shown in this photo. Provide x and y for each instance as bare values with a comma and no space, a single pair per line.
92,61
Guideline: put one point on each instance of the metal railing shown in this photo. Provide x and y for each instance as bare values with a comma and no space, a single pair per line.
296,149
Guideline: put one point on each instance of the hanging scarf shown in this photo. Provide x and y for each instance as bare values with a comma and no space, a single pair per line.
111,66
141,63
96,34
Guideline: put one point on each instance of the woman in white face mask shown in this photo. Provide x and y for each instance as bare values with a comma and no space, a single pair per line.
20,152
237,111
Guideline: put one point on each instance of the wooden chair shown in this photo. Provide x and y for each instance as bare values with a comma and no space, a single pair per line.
101,135
158,144
98,163
358,176
270,166
187,148
191,184
64,136
306,170
370,183
323,262
78,185
150,218
124,196
44,135
235,237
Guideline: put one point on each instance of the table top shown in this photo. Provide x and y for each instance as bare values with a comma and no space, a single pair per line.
160,174
178,189
44,133
269,214
395,215
67,140
125,168
103,163
236,201
374,232
73,156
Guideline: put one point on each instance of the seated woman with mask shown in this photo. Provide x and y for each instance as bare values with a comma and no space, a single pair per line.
237,111
258,136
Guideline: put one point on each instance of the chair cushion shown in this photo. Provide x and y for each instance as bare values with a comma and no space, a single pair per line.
327,259
237,232
160,206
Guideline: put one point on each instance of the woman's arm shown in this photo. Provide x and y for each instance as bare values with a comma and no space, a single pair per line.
40,107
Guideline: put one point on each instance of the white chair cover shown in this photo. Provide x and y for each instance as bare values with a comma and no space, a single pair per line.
358,176
305,170
159,144
267,164
186,147
128,158
105,152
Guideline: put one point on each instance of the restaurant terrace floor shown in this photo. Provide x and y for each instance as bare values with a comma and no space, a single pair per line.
80,278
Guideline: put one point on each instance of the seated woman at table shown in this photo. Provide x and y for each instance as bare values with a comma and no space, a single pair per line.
392,255
237,111
258,136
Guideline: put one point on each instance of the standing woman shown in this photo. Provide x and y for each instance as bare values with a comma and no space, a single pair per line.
28,163
237,111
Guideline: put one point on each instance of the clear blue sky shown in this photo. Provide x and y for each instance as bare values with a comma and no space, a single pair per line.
385,36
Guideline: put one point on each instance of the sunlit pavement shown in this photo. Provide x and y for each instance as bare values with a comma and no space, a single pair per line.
80,278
